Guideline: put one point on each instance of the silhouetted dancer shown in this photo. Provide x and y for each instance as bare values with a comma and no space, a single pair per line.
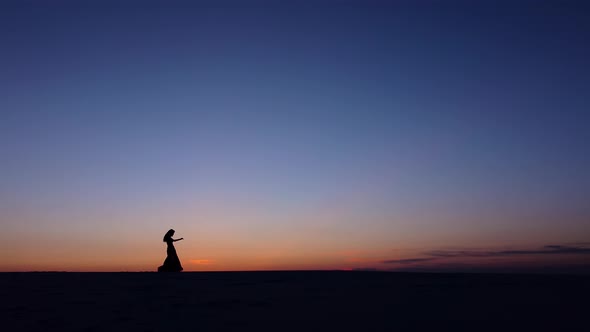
172,263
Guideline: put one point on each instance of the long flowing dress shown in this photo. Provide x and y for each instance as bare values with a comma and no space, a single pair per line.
172,262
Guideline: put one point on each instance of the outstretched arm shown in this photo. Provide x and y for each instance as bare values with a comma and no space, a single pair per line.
177,239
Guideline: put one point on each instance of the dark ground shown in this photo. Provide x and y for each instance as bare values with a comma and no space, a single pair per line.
292,301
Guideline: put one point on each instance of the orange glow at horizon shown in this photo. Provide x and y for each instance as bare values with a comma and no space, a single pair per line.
202,261
247,236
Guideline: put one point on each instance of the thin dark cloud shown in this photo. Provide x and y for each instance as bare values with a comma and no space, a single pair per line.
444,254
408,261
546,250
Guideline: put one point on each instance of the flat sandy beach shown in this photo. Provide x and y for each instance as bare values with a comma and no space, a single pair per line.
291,301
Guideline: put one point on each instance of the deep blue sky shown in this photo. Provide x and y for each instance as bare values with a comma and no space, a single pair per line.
415,124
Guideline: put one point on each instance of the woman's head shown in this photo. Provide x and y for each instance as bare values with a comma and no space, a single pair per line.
168,235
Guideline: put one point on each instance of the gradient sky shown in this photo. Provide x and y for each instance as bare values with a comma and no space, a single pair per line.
294,135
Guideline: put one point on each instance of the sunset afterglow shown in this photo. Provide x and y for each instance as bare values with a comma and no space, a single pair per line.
370,136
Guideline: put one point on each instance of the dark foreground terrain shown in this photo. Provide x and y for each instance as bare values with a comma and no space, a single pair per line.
292,301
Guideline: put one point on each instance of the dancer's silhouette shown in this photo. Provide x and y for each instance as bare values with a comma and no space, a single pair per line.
172,263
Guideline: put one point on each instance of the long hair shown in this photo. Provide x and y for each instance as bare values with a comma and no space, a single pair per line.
168,235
